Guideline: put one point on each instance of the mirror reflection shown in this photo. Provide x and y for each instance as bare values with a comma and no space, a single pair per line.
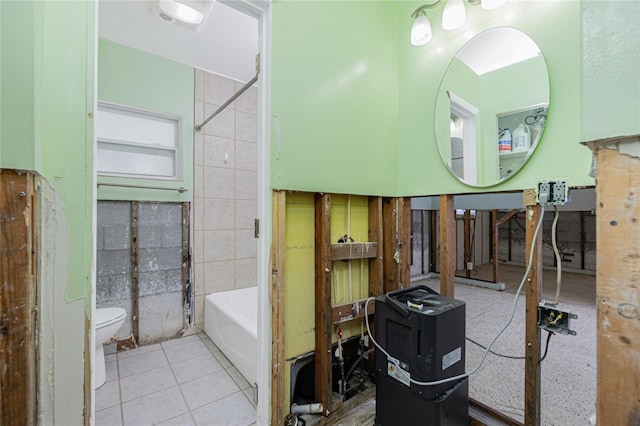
492,106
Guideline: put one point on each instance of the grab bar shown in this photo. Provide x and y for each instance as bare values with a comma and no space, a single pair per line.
122,185
234,97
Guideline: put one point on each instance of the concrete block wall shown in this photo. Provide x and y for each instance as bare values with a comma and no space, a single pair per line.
568,238
160,285
113,261
160,271
225,189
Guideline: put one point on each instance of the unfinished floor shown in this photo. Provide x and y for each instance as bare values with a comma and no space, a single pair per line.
568,386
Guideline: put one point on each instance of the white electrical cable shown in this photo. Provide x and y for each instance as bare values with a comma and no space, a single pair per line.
557,252
486,352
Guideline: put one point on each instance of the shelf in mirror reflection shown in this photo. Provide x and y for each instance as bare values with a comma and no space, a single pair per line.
513,154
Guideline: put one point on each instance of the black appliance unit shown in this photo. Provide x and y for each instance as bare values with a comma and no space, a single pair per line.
425,332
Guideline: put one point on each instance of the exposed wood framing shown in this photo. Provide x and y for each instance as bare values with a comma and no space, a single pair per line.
186,264
404,243
350,311
276,297
494,243
618,287
337,415
350,251
17,300
135,276
375,236
467,242
447,245
323,322
533,293
396,217
433,242
488,415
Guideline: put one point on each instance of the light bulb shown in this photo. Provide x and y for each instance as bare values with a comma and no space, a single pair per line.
454,15
420,30
181,11
492,4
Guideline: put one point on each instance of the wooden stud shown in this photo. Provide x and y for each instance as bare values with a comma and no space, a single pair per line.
533,291
186,264
323,323
433,242
277,299
375,235
404,242
135,318
447,245
467,242
494,243
389,217
618,287
17,300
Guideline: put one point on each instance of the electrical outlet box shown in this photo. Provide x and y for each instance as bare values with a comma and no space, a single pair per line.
556,320
552,192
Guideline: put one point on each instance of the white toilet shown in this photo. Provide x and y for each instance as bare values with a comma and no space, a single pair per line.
107,323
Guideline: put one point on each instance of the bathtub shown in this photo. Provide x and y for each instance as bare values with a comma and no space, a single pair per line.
231,322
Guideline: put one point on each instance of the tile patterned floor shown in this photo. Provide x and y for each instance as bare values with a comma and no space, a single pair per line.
184,382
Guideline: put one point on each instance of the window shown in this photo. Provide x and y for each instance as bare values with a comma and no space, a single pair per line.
137,143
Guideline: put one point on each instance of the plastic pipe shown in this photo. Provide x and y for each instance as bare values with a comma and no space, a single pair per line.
313,408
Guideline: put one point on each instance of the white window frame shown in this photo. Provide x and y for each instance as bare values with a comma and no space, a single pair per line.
176,149
467,114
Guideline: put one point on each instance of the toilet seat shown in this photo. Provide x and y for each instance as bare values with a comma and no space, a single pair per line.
107,316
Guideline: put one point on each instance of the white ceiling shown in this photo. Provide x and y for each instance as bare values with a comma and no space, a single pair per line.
225,44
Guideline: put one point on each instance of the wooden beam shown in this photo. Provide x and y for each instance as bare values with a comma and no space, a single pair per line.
186,262
135,314
533,293
467,242
276,297
350,311
376,235
323,325
494,243
506,217
404,242
389,217
17,300
447,245
618,288
433,242
350,251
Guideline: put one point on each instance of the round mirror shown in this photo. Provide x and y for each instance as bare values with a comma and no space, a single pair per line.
492,106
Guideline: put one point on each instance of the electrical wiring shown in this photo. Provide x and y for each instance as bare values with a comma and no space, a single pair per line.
495,353
486,352
546,349
554,243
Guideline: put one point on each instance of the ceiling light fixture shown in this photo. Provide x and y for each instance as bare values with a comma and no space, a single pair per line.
181,11
453,17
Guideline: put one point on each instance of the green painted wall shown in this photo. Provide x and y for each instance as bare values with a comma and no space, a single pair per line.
47,95
18,36
135,78
420,169
350,94
610,69
334,96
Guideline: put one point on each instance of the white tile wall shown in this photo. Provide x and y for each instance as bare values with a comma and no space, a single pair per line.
225,204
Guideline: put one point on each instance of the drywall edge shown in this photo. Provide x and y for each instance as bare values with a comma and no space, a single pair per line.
61,401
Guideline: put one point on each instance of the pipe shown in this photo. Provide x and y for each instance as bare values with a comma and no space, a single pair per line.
226,104
312,408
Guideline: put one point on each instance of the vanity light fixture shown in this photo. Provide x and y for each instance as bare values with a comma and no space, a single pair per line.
453,17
